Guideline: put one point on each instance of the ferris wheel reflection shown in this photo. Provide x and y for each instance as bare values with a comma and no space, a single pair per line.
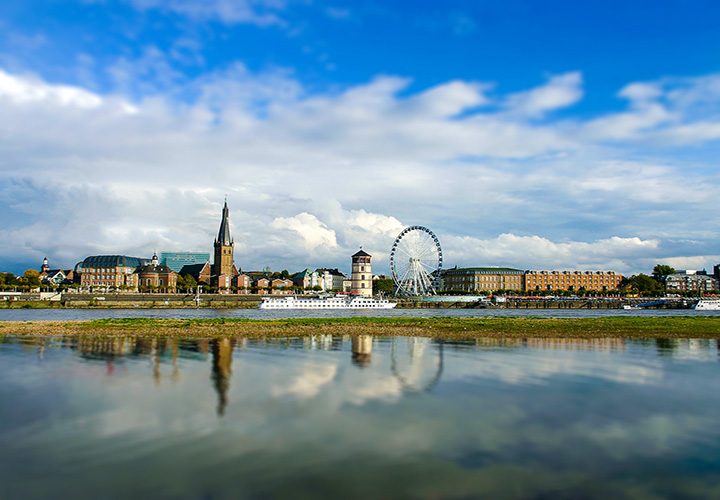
416,363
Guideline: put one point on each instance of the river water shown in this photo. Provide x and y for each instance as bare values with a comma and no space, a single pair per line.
84,314
358,417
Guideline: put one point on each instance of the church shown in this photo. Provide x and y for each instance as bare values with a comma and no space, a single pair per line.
223,273
223,268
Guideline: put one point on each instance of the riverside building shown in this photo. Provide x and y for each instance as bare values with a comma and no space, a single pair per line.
109,271
691,281
483,279
156,277
602,281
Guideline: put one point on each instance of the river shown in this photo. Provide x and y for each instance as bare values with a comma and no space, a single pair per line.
86,314
357,417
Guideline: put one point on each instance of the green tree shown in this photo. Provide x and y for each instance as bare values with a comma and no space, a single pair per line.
180,283
643,284
189,282
32,277
383,285
661,272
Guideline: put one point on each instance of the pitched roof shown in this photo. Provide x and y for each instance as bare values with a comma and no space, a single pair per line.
192,269
333,272
301,274
362,253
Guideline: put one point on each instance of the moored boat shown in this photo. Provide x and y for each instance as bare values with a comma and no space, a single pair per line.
707,305
336,302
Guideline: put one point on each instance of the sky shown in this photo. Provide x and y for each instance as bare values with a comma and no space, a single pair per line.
535,134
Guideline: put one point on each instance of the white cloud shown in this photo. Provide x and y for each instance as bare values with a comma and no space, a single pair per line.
32,90
313,175
307,384
537,252
312,232
559,92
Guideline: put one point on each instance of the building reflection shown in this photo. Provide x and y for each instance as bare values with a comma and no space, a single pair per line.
361,346
598,344
222,350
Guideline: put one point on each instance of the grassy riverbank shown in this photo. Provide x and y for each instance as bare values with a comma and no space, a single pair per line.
446,328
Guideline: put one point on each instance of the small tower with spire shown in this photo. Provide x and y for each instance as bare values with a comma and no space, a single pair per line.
223,263
45,266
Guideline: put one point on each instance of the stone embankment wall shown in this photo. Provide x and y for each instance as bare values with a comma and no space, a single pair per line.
146,300
156,300
544,304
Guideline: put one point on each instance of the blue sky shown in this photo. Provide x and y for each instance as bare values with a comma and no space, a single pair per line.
547,134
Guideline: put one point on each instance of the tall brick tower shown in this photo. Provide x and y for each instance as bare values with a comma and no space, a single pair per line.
223,263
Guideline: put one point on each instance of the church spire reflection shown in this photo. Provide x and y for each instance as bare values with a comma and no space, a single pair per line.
222,349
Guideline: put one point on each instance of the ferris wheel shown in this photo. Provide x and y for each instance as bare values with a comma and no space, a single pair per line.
416,261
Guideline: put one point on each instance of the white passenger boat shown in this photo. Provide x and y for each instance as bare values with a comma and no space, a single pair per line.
708,305
337,302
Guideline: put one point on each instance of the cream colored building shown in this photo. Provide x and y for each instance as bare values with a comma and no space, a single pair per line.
362,274
483,279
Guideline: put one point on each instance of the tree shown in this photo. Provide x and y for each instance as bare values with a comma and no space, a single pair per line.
189,282
32,277
644,284
661,272
383,285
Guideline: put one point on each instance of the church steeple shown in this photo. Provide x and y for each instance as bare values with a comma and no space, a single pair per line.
223,265
224,237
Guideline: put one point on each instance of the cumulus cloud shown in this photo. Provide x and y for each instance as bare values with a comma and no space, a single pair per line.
312,232
312,175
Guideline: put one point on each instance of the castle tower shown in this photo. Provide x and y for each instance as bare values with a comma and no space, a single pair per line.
223,263
361,276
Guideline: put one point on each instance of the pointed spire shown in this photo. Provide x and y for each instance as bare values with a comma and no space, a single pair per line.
224,237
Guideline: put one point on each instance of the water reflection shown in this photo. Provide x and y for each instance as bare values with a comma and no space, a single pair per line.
415,364
222,350
232,417
361,350
403,366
